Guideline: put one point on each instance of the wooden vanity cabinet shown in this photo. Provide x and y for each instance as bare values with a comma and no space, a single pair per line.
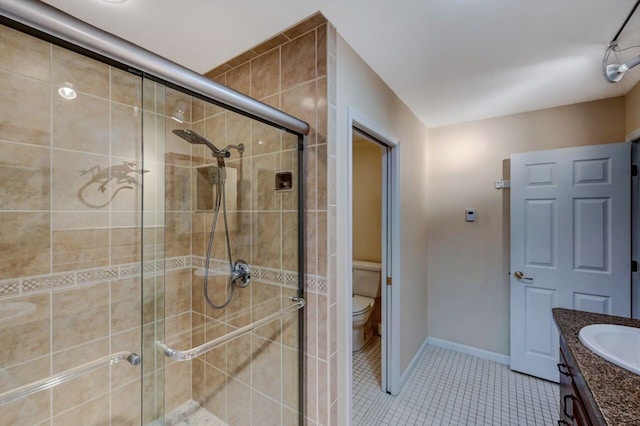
573,409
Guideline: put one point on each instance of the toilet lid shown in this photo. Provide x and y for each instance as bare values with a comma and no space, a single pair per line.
361,304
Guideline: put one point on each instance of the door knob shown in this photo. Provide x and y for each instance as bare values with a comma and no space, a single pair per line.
519,275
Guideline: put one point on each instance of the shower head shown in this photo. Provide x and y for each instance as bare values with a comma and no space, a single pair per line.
194,138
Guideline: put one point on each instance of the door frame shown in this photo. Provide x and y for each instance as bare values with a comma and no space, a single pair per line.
390,294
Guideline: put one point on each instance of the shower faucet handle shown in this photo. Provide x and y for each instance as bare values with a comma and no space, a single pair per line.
241,272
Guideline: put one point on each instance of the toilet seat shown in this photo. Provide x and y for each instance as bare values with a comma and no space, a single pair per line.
361,304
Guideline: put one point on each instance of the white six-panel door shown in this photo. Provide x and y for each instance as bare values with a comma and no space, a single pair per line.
570,244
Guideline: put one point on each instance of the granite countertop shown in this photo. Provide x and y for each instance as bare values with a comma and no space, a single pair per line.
615,391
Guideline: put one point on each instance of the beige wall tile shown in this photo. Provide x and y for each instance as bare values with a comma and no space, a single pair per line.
125,405
25,248
126,245
322,243
290,241
239,235
86,75
323,324
24,373
239,309
323,393
244,186
126,134
25,168
125,304
129,341
263,178
321,52
218,291
80,390
311,388
238,394
311,235
177,385
177,234
177,292
79,220
215,393
81,124
266,239
95,412
265,74
72,357
23,54
32,321
238,132
311,324
178,332
265,411
310,178
177,150
215,130
290,417
239,78
27,411
126,88
80,315
290,377
267,299
298,60
239,358
177,188
199,234
265,139
175,100
24,116
300,102
218,356
198,381
79,249
197,110
322,111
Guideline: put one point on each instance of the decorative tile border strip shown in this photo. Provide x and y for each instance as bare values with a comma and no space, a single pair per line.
27,285
40,283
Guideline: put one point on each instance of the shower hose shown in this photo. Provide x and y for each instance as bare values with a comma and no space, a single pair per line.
234,277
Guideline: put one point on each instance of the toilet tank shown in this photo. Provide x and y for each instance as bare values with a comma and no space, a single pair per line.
366,278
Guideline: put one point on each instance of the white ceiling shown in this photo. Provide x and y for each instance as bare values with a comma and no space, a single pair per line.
450,61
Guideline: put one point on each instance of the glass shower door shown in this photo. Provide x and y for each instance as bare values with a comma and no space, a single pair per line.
228,211
70,226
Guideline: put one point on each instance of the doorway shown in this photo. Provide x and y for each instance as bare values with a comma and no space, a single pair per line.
371,265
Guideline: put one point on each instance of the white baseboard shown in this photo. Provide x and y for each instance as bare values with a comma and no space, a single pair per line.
469,350
414,362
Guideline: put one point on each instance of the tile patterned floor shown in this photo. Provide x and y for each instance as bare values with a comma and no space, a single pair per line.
450,388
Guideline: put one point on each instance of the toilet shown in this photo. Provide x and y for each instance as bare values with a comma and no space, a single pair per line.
366,288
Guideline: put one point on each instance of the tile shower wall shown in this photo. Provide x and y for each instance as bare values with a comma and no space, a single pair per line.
71,237
295,71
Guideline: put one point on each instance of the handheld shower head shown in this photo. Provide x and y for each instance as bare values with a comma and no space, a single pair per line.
194,138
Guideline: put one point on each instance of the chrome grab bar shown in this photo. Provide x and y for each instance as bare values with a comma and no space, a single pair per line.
206,347
70,374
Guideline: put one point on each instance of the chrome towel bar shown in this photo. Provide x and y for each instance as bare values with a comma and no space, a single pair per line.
206,347
65,376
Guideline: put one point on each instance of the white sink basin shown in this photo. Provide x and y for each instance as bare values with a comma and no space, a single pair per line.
615,343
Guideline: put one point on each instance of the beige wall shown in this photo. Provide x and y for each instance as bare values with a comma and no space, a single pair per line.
360,88
367,199
468,263
632,109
